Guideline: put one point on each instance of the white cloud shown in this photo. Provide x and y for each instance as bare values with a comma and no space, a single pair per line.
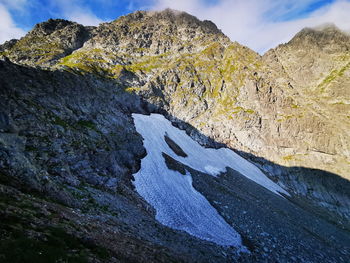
75,10
8,29
261,24
14,4
83,17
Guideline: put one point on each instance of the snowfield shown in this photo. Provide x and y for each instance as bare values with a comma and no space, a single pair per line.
178,205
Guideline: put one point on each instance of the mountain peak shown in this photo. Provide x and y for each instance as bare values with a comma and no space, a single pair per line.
171,16
47,42
52,25
324,35
327,27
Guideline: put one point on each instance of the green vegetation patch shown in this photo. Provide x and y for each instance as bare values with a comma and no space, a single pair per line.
288,157
149,63
55,246
58,121
94,62
38,48
86,124
24,239
132,89
333,75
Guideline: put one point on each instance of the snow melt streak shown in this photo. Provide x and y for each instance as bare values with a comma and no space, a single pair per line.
177,203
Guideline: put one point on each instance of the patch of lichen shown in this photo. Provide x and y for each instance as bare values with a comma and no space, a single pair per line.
116,70
108,65
343,57
82,62
339,103
46,57
228,67
149,63
284,117
226,71
297,115
39,48
85,67
86,124
288,157
220,70
95,61
58,121
213,51
226,108
297,157
332,76
3,53
184,96
132,89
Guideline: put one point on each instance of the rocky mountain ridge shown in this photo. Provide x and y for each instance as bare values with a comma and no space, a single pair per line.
174,58
67,130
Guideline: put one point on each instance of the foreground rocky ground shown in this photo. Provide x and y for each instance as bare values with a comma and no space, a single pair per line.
66,165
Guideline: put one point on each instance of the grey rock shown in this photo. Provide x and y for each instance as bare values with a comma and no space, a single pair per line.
76,147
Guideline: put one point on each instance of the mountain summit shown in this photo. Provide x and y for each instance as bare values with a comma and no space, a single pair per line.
328,36
141,139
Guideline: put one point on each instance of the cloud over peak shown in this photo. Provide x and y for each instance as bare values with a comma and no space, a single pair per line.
77,11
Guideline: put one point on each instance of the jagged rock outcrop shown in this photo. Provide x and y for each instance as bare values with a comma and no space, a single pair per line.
47,42
66,132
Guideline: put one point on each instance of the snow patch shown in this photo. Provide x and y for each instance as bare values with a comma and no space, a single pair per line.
178,205
206,160
213,170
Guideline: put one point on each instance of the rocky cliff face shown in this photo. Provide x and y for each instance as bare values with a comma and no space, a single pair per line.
67,132
316,62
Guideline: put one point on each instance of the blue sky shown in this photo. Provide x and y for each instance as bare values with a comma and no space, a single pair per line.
41,10
259,24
